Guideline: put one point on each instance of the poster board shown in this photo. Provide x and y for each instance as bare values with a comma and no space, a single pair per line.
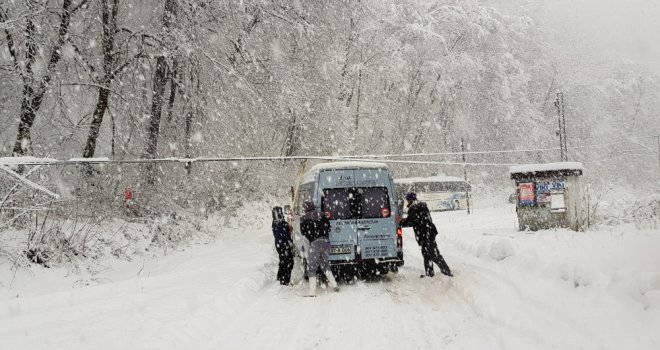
526,195
550,192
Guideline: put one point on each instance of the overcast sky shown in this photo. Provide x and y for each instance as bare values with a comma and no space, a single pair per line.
627,29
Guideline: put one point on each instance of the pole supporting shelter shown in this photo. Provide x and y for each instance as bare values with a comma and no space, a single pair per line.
561,113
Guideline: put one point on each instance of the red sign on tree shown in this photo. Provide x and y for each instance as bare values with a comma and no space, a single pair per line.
128,194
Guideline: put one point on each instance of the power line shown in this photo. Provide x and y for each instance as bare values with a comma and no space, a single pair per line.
18,161
450,153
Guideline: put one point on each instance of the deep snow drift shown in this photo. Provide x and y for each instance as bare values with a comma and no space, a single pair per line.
512,290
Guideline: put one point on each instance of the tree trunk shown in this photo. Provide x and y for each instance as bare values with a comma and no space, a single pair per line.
27,114
97,119
25,123
32,98
188,132
192,111
160,80
292,137
173,87
109,8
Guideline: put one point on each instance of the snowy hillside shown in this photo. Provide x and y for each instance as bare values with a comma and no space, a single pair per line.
512,290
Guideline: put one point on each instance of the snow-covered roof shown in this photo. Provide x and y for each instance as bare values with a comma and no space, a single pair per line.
437,178
348,165
310,175
533,168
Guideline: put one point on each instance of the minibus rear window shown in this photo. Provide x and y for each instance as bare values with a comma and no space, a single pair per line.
373,200
356,203
338,202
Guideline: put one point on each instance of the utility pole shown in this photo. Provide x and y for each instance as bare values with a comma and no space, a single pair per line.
657,137
559,103
467,193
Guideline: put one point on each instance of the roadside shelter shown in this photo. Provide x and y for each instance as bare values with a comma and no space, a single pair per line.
549,195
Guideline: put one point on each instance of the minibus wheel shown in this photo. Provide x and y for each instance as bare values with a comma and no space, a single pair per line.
344,273
383,270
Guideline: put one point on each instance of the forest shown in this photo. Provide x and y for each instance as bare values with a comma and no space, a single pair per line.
126,80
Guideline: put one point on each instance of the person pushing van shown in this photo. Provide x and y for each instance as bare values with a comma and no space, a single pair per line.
316,228
283,246
419,218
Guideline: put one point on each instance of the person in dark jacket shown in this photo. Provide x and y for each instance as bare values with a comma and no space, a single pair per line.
419,218
283,245
316,228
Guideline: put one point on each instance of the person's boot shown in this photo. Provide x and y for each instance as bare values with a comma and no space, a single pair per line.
429,272
444,268
312,286
331,281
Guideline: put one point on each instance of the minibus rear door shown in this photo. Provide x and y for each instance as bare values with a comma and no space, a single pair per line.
337,201
376,226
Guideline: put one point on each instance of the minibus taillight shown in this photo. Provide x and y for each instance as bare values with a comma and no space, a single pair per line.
385,212
399,238
399,232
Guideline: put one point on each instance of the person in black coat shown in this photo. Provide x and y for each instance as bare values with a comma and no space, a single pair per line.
419,218
283,245
315,226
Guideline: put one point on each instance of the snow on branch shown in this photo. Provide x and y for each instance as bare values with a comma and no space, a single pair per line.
28,182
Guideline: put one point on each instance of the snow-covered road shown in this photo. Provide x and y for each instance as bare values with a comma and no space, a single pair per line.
512,290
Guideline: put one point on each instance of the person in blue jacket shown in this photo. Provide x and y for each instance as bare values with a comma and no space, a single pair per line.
419,218
283,245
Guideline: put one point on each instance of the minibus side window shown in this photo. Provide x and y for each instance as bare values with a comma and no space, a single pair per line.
305,194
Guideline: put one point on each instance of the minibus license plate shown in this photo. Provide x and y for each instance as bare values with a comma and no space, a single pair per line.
340,249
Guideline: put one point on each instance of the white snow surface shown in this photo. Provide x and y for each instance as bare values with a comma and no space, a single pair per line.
553,289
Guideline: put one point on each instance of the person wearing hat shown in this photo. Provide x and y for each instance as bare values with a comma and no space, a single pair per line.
283,246
419,218
316,228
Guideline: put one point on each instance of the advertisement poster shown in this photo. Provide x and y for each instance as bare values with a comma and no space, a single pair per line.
546,188
526,193
543,197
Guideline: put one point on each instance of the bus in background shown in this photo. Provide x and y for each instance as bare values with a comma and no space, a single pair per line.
438,192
